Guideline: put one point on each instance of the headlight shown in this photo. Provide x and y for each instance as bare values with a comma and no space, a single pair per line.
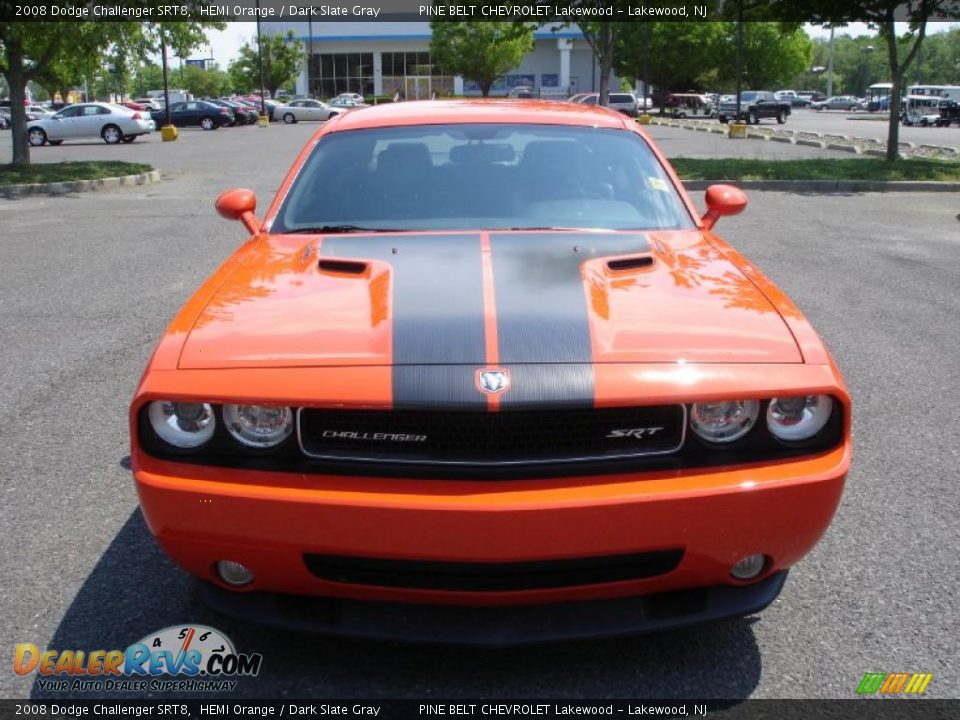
798,418
723,422
182,424
258,426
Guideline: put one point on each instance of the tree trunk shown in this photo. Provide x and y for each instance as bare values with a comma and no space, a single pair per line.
898,72
485,86
605,48
893,126
64,92
18,116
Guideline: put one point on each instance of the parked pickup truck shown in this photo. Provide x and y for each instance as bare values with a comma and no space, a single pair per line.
754,106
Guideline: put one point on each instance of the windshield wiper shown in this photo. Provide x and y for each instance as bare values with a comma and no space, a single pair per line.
337,229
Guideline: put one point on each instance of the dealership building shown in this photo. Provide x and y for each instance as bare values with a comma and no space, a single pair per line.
385,58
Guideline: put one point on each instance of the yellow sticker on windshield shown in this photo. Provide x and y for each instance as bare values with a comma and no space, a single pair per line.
658,184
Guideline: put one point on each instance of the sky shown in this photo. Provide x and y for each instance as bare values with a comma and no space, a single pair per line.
226,43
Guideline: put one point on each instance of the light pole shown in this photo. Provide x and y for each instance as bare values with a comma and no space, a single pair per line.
739,56
830,65
309,57
263,93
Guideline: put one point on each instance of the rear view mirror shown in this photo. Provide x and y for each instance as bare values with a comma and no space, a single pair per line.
239,204
722,200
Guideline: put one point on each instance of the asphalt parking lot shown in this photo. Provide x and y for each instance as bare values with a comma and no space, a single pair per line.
89,281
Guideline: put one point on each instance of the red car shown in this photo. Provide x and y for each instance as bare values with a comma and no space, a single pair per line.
483,373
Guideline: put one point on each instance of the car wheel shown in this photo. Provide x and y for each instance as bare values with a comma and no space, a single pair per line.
781,117
289,118
127,139
923,122
820,109
682,115
332,115
207,123
722,119
111,134
36,137
4,123
853,108
753,118
55,142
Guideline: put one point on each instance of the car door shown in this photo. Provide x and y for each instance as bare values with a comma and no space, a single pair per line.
191,113
65,123
90,122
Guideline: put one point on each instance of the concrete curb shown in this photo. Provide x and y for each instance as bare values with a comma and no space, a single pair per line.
824,141
12,192
831,186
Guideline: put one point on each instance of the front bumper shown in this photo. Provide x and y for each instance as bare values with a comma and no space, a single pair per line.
495,626
275,522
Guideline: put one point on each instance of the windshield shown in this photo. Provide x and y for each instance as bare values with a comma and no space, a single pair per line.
457,177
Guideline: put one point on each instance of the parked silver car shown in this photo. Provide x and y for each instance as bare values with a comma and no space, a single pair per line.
623,102
297,110
111,123
839,102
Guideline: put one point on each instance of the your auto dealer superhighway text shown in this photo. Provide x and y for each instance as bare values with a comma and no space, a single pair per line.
510,709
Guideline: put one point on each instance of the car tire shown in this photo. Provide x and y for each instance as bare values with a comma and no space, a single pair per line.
111,134
127,139
4,123
853,108
332,115
208,124
289,118
682,115
923,122
55,142
722,119
753,118
781,117
820,109
36,137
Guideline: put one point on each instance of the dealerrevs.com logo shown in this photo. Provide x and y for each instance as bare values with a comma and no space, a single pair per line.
179,658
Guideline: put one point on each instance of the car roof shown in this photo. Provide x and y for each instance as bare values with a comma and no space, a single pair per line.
444,112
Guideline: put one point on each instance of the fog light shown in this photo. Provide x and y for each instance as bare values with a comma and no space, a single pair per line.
233,573
749,567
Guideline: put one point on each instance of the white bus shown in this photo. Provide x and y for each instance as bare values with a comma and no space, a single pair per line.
951,92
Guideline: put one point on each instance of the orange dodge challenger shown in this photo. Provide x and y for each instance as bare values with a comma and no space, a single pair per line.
483,374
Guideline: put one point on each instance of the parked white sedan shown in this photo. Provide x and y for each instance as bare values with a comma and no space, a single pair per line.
297,110
111,123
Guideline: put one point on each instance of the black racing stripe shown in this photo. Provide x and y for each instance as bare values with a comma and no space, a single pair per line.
565,385
541,303
543,323
438,320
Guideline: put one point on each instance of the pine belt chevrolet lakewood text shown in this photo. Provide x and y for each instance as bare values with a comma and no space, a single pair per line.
483,374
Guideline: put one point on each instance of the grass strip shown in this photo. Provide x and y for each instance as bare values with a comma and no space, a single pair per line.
63,172
825,169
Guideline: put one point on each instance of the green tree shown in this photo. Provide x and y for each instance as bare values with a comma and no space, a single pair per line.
670,55
147,76
773,55
478,50
239,81
204,83
283,59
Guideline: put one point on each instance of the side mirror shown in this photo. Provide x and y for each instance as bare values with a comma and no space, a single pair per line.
239,204
723,200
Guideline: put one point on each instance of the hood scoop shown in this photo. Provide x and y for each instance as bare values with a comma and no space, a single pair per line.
343,267
637,262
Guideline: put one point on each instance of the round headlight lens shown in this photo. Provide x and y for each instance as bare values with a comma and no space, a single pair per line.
258,426
798,418
723,422
184,425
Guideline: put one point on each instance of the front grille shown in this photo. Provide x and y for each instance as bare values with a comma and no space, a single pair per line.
492,577
509,437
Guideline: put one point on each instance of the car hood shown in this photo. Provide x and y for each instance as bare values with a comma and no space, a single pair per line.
485,299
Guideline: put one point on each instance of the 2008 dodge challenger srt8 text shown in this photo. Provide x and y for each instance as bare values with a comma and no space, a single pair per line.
484,374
